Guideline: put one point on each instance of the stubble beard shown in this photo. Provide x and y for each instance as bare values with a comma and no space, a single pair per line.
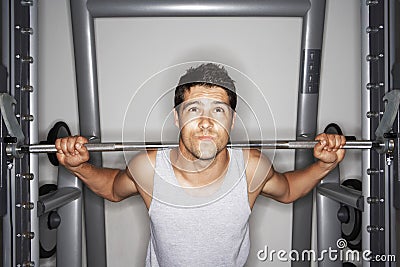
195,152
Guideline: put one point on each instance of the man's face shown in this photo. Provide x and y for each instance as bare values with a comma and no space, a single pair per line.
205,120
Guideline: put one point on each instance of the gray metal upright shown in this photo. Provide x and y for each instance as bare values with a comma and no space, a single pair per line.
69,233
89,123
329,228
307,110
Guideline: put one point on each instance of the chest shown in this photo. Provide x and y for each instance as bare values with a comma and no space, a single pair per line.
218,222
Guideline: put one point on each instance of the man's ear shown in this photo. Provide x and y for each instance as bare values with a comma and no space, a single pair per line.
176,118
233,120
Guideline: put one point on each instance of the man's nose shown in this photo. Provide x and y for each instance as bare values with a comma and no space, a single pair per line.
205,122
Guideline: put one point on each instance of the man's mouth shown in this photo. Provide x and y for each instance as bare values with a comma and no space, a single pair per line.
205,138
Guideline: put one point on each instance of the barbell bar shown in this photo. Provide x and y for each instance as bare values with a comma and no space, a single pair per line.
262,144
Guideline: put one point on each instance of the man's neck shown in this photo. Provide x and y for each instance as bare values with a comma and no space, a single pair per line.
199,172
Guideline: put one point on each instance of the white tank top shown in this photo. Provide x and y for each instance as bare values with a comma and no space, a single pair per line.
188,230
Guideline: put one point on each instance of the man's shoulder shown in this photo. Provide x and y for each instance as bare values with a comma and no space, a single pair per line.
252,154
143,164
256,162
145,157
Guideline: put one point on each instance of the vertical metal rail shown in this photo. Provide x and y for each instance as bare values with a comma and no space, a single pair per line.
377,59
376,169
89,123
24,191
20,235
395,22
30,90
20,76
388,63
394,65
5,237
307,110
11,172
3,175
365,122
4,241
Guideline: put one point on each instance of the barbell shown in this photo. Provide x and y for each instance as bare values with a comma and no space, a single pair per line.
261,144
15,149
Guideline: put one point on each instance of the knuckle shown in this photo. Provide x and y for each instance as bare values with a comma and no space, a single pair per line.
82,139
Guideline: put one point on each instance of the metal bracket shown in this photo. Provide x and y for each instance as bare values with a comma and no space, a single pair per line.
10,120
56,199
385,125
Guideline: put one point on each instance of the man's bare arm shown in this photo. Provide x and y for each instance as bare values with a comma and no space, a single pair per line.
290,186
112,184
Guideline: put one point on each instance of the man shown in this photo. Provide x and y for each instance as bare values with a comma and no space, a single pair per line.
200,195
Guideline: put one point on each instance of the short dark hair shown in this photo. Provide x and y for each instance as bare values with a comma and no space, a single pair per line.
209,75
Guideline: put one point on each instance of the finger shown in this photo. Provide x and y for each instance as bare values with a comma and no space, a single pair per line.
82,140
321,137
342,152
57,144
64,146
71,145
60,154
320,146
331,142
81,148
338,142
342,141
335,142
323,142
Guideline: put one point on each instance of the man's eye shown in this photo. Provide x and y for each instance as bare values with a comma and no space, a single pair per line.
219,110
193,109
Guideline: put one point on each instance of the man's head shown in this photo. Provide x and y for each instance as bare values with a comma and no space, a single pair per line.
207,75
204,111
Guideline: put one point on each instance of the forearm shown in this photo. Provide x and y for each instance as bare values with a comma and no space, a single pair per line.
290,186
99,180
300,182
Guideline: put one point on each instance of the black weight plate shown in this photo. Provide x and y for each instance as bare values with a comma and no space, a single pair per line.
60,129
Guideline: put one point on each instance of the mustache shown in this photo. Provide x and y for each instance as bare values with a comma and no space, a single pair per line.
206,133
